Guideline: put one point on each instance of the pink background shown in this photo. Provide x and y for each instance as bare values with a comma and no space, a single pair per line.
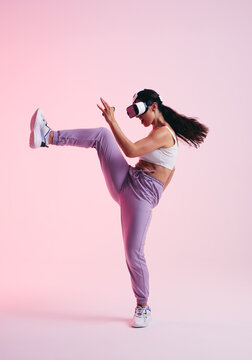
61,249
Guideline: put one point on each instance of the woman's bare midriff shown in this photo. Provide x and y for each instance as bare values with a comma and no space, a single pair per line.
161,173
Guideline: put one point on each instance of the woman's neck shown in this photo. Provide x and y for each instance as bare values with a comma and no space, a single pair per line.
159,121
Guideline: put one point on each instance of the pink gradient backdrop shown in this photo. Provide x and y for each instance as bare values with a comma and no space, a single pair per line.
61,244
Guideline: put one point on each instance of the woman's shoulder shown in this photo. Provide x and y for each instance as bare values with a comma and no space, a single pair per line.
160,131
170,133
161,128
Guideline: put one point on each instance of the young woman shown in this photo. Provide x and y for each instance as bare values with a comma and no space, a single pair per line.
137,189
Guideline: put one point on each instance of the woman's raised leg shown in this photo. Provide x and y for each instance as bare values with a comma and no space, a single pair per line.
114,165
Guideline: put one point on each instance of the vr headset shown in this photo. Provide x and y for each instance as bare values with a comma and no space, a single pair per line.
139,108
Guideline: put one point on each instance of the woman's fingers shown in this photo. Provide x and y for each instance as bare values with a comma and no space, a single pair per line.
100,109
107,109
107,112
105,103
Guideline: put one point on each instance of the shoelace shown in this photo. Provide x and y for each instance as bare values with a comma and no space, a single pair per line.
141,311
43,144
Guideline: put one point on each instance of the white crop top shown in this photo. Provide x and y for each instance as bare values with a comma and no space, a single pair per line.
163,156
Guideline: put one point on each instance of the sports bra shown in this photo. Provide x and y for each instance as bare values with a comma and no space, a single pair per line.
163,156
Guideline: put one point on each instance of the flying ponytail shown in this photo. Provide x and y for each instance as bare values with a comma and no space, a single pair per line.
187,128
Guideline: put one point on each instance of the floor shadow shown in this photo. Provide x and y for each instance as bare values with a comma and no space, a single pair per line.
43,313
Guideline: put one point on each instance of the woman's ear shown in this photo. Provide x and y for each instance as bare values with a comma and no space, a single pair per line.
154,106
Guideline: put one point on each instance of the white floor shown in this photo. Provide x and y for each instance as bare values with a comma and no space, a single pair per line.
104,333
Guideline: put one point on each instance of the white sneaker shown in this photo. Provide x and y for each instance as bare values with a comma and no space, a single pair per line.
142,316
39,130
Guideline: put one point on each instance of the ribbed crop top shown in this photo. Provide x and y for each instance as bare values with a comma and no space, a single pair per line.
163,156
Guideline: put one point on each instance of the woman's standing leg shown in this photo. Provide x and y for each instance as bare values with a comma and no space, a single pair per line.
135,218
113,164
139,195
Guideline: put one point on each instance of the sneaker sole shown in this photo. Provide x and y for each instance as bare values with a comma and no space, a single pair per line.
35,137
141,326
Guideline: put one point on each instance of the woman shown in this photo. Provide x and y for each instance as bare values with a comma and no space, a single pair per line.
137,189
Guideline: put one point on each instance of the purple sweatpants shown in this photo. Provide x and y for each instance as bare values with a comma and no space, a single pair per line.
133,189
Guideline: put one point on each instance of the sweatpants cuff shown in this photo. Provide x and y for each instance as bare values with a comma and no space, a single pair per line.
55,138
142,301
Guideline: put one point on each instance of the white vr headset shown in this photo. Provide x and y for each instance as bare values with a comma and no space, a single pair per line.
139,108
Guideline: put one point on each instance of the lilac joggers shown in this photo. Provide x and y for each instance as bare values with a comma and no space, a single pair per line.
133,189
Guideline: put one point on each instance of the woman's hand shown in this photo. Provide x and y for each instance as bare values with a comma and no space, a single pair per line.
107,112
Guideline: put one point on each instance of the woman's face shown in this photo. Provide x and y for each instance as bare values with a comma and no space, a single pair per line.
148,117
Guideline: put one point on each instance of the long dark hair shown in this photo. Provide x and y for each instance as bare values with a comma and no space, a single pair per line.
188,129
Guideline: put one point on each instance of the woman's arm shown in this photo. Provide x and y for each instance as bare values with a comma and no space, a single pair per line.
125,144
154,140
157,138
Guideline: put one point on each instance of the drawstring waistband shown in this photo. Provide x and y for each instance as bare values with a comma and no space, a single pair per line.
137,171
